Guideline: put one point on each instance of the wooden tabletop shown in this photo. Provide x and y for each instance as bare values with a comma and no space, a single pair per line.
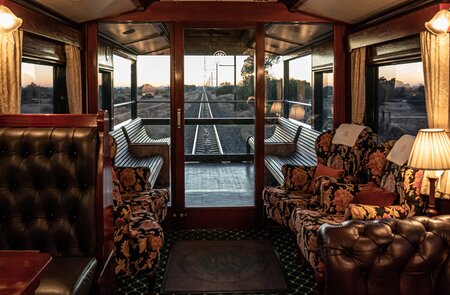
20,271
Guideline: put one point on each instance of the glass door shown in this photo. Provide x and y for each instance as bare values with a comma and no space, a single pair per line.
219,112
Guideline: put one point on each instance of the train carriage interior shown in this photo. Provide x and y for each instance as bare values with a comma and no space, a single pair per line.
224,147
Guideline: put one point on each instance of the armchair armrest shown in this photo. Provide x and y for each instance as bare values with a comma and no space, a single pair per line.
133,179
371,212
297,178
143,150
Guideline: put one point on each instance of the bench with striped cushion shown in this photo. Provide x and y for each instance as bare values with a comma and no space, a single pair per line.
303,153
135,149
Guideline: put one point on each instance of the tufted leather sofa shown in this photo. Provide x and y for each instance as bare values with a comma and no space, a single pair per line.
53,197
387,256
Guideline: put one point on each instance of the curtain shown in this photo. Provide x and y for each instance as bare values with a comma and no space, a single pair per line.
435,59
73,79
358,85
10,72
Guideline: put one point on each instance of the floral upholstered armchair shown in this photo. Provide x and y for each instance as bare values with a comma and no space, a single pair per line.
138,237
138,212
389,183
302,183
136,190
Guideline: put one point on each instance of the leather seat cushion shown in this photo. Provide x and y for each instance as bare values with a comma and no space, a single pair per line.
68,275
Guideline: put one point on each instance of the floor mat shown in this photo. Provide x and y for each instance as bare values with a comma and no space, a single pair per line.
223,266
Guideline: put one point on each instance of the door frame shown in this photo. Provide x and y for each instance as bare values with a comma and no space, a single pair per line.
222,217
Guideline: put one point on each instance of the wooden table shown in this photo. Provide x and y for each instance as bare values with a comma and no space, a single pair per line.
20,271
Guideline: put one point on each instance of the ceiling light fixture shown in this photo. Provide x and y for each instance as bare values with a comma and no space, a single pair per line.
440,22
128,32
8,21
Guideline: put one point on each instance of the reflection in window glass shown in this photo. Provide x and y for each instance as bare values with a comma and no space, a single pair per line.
153,80
122,88
37,89
274,85
326,115
401,100
300,85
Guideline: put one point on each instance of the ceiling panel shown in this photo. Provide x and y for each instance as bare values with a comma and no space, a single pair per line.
84,10
349,11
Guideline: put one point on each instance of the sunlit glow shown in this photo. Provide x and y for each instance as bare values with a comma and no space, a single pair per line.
40,75
440,22
122,71
8,21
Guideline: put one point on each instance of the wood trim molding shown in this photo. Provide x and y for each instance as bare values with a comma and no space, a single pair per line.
45,26
91,77
342,102
400,27
218,12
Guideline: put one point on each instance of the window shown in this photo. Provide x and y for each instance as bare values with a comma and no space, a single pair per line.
401,100
300,90
37,89
122,89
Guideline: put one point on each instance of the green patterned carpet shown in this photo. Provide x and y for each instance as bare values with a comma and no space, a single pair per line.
301,281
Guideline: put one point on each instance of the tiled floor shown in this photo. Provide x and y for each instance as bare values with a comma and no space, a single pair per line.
219,184
301,281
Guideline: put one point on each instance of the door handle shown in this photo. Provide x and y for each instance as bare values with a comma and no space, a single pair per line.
178,118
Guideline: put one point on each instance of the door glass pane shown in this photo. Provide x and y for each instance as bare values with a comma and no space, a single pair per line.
219,117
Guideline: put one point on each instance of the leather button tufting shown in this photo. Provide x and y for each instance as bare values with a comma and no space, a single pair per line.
75,153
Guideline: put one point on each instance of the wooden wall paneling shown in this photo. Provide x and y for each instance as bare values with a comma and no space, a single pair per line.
342,100
105,54
322,55
399,27
45,26
41,48
218,11
91,75
260,100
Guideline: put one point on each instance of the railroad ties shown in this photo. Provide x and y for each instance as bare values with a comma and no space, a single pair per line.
206,140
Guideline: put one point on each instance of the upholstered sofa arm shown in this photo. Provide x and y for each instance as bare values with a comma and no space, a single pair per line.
387,256
133,179
297,178
370,212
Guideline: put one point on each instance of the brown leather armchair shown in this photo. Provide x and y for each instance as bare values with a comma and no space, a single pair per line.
387,256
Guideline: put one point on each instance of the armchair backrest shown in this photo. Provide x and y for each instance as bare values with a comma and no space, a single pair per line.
52,177
352,159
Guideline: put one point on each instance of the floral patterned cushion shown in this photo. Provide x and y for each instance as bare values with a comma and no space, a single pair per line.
335,197
370,212
297,178
323,145
133,179
377,162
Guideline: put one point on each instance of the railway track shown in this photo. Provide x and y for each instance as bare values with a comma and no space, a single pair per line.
206,140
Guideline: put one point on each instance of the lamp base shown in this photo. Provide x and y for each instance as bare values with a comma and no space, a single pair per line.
431,211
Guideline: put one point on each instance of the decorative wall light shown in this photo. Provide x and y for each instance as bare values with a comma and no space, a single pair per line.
440,22
431,151
8,21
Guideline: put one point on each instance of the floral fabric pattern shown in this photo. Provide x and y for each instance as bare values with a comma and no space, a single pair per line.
306,224
323,145
377,162
297,178
154,201
335,197
133,179
368,212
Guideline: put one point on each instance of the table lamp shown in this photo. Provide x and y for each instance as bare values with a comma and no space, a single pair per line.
431,151
276,107
297,112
